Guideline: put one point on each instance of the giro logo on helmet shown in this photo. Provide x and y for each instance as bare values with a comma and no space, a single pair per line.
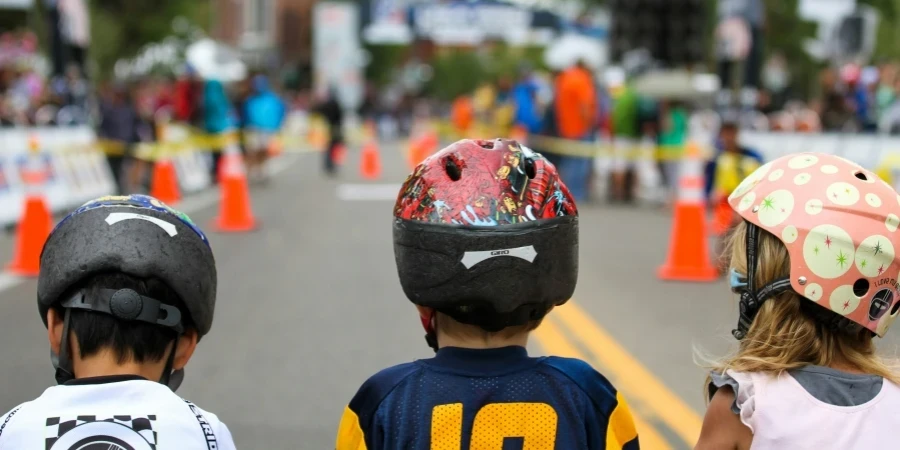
528,253
114,218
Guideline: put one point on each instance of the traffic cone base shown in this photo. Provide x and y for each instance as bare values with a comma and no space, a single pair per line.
370,162
32,232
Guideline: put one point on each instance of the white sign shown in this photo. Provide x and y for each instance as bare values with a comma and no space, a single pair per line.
388,23
337,53
470,24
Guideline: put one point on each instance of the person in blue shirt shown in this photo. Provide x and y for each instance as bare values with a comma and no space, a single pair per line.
486,245
524,94
263,114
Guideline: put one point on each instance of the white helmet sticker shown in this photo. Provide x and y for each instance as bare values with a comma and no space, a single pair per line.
527,253
117,217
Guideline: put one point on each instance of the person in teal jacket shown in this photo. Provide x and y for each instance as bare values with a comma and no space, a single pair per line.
264,114
216,117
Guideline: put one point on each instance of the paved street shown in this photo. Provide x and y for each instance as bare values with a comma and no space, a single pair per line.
309,306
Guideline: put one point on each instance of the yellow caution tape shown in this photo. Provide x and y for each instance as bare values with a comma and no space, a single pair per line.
568,147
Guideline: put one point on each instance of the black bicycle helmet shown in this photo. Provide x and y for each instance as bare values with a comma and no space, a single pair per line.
139,236
487,233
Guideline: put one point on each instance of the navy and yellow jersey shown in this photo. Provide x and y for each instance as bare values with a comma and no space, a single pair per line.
495,399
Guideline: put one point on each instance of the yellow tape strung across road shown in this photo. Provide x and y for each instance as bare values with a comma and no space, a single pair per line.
568,147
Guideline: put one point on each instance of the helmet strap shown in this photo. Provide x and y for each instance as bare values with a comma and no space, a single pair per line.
430,325
751,299
171,378
63,361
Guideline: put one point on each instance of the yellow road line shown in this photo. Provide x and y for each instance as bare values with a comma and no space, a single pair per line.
632,377
552,340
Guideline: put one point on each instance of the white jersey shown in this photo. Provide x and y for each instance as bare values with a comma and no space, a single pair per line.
112,413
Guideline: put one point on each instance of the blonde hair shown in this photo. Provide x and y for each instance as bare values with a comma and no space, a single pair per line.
452,327
785,335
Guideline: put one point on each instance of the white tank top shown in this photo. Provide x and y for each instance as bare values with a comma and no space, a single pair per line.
782,415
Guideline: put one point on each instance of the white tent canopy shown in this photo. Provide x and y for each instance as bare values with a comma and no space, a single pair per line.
215,61
570,48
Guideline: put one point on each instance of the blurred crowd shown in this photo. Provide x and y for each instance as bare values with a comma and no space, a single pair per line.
30,99
860,99
133,113
574,105
849,98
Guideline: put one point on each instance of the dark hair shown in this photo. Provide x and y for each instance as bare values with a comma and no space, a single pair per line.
129,341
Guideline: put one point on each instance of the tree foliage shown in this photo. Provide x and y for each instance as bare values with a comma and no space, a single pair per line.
120,28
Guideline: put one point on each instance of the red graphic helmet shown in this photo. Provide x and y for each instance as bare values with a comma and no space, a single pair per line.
486,232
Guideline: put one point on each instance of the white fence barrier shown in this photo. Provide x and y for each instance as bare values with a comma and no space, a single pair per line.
77,168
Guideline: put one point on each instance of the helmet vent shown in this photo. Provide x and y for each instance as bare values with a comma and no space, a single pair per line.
486,144
895,309
862,176
860,287
453,170
529,168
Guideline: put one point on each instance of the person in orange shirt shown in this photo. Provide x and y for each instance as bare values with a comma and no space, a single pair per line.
576,106
462,113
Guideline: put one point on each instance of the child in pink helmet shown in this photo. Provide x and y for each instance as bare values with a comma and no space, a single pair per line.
815,262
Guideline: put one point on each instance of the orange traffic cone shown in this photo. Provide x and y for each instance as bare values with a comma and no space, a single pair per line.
235,214
421,147
723,217
370,161
231,160
688,258
34,228
35,224
415,152
164,184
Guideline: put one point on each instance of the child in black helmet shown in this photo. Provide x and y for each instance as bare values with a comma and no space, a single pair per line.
486,244
127,288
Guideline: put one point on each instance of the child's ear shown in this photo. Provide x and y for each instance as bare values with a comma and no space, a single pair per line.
54,329
187,343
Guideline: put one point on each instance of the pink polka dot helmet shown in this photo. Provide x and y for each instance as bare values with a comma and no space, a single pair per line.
839,223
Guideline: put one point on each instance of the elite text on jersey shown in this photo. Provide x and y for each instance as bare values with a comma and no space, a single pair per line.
115,413
491,399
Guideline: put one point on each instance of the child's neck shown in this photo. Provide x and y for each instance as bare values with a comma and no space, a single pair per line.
444,340
841,363
105,363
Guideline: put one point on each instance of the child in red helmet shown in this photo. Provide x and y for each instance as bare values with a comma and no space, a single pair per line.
486,244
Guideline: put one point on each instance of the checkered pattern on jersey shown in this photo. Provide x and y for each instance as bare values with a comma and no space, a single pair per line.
58,426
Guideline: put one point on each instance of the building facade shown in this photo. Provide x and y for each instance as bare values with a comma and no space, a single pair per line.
271,35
